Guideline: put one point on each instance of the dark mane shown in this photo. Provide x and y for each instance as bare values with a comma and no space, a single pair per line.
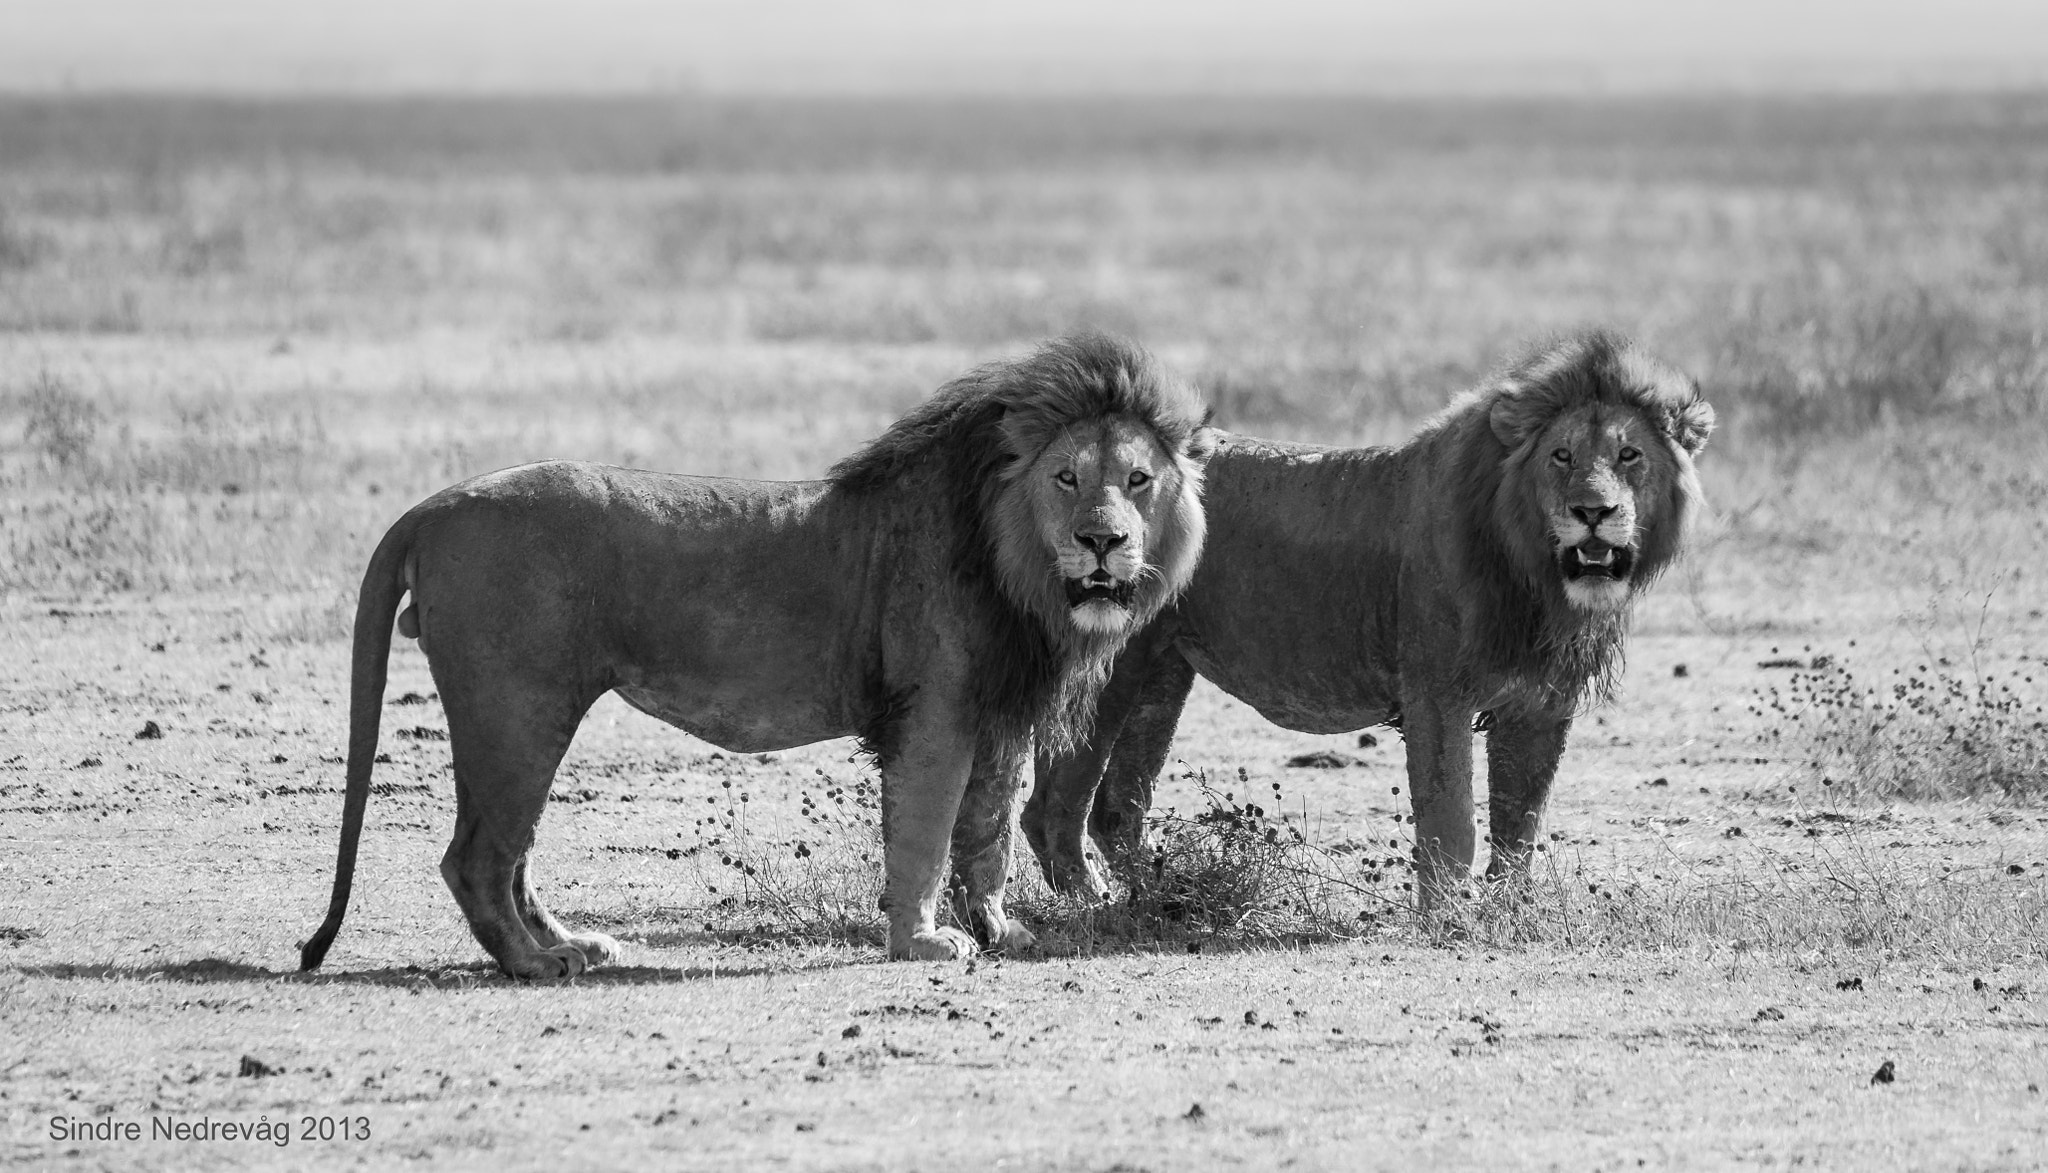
1032,675
1066,381
1523,625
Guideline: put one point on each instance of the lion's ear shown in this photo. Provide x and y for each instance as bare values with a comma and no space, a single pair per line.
1202,444
1692,424
1515,416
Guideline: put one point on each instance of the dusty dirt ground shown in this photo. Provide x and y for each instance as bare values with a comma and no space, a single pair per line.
152,891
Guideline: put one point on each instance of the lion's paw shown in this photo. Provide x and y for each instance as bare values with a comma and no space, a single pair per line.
1083,880
597,949
1014,938
551,964
933,945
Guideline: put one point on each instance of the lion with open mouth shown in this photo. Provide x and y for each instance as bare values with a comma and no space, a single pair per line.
950,593
1485,567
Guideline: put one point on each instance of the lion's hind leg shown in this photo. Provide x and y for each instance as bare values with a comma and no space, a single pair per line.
1117,820
597,948
983,847
507,741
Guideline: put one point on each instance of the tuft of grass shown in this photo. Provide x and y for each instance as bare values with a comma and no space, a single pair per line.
20,248
1236,873
58,423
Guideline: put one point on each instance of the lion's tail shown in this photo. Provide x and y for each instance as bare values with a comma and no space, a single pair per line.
376,604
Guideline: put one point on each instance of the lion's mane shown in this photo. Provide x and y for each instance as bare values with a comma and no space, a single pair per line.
970,443
1527,628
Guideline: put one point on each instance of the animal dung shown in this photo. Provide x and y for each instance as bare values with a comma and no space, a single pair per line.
1323,759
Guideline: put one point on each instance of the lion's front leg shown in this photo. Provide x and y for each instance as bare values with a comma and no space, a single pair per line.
1440,790
922,785
983,848
1522,752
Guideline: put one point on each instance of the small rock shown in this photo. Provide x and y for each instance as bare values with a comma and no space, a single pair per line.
1194,1112
1680,671
1884,1073
1367,741
1850,983
150,731
851,1032
1770,1014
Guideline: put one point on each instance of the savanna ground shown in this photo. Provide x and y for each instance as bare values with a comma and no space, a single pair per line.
236,340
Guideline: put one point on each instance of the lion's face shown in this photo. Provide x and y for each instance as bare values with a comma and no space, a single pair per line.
1603,476
1600,487
1590,467
1120,517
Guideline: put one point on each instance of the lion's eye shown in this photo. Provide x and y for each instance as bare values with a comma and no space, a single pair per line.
1562,456
1140,478
1066,477
1630,455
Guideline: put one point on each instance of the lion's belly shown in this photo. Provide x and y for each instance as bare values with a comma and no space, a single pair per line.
740,719
1296,697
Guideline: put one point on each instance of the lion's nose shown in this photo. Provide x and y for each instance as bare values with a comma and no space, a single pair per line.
1593,515
1100,544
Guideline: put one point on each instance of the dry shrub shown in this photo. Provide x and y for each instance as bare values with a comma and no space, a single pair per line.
1942,729
1930,733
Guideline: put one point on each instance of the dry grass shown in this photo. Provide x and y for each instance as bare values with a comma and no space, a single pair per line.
361,295
364,302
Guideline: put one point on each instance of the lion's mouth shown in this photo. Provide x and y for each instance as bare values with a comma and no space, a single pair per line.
1098,588
1596,559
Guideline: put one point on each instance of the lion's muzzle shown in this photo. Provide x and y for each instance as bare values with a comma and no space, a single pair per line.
1594,558
1100,587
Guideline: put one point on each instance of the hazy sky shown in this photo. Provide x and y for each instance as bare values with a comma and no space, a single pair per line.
1088,44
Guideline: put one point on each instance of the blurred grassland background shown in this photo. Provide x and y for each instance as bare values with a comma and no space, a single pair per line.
239,336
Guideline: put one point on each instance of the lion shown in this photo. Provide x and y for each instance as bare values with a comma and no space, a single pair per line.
1487,566
950,592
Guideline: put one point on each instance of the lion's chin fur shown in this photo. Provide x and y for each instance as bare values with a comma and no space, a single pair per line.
1100,617
1601,595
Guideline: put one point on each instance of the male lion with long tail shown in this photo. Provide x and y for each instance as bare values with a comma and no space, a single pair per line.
1487,566
957,587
